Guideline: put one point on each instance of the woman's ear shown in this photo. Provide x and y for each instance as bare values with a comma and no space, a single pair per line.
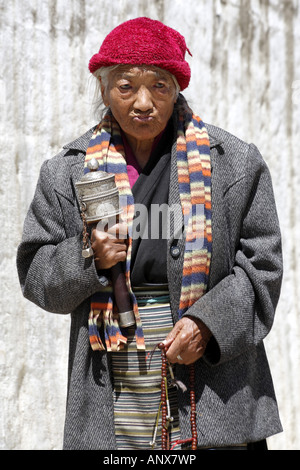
103,93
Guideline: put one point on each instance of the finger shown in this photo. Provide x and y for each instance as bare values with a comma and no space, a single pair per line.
108,251
172,335
180,349
98,235
105,236
119,256
108,247
105,259
175,352
119,230
174,332
167,343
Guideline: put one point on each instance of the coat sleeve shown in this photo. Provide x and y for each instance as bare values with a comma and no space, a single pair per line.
239,310
52,272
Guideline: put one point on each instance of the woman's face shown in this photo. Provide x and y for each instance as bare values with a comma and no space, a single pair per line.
141,100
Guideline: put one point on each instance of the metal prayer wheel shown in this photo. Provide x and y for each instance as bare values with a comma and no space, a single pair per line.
98,194
98,197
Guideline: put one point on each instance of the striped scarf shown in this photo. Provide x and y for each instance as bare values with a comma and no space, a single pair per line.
194,179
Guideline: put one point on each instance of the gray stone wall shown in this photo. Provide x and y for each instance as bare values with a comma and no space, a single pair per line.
245,78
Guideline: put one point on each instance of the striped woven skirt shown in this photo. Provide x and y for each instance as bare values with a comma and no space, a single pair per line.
137,380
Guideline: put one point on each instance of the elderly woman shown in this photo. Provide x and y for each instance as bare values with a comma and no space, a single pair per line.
204,291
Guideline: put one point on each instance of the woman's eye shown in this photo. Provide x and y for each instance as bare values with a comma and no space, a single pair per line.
125,87
160,85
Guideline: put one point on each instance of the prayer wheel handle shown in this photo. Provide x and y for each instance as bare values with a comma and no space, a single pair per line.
126,314
118,280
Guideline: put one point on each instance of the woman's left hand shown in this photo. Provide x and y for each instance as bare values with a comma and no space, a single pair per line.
187,341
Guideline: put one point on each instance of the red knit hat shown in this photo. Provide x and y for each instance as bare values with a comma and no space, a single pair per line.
143,41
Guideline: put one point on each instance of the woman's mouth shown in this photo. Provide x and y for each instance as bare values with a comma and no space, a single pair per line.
142,118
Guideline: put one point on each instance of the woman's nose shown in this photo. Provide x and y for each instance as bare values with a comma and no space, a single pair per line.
143,100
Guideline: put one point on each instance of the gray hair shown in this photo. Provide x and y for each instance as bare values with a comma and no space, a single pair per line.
103,73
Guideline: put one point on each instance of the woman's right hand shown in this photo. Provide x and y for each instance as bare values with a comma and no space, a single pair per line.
109,245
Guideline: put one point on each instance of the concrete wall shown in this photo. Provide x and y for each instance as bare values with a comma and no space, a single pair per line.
245,78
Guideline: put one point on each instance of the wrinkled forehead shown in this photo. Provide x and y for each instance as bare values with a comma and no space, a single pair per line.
131,72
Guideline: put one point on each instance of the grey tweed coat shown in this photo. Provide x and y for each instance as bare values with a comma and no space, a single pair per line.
234,391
